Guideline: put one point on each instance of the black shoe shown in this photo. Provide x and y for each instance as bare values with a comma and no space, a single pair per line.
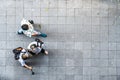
31,21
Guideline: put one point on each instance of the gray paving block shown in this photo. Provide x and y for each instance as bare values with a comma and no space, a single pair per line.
104,71
36,4
95,21
112,54
10,19
3,28
87,54
11,11
78,62
52,12
88,20
86,45
104,62
52,77
104,77
95,62
86,70
112,46
104,54
70,12
95,54
70,20
3,44
95,77
53,20
79,20
70,62
70,70
61,20
44,12
78,77
62,11
53,4
117,63
114,77
2,12
3,53
118,77
57,62
3,19
118,46
10,4
3,36
117,54
69,77
44,20
87,77
104,46
62,4
60,77
96,46
57,70
95,37
86,62
78,70
112,63
112,71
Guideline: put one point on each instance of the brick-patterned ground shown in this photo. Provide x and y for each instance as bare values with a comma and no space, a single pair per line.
83,39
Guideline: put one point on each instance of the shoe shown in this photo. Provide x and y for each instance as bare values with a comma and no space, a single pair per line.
19,32
43,35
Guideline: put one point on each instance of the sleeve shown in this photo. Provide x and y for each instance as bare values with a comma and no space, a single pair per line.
22,62
27,33
31,44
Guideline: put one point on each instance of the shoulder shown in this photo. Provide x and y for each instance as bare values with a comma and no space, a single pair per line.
34,42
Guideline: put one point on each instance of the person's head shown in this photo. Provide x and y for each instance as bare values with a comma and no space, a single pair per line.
24,56
25,27
33,46
19,48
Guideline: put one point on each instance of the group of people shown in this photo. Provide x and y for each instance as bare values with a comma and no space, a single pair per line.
34,48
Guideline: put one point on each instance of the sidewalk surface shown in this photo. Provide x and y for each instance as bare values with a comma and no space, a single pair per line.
83,39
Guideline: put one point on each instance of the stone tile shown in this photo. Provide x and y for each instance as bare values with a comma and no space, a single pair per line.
78,77
11,20
104,78
104,62
53,12
56,70
70,70
95,62
104,71
118,77
69,77
112,71
104,54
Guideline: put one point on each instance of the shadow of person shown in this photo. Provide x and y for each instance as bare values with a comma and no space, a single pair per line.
37,60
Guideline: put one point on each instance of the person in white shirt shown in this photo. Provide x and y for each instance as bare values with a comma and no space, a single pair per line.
28,29
37,48
23,56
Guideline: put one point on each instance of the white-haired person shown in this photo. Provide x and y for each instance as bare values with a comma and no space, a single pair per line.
28,29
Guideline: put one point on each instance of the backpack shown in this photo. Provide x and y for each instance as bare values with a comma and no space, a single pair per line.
39,41
16,53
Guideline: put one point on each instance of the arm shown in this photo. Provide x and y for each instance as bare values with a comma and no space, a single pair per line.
22,62
28,67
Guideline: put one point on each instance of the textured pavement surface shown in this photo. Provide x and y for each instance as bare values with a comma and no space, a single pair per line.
83,39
